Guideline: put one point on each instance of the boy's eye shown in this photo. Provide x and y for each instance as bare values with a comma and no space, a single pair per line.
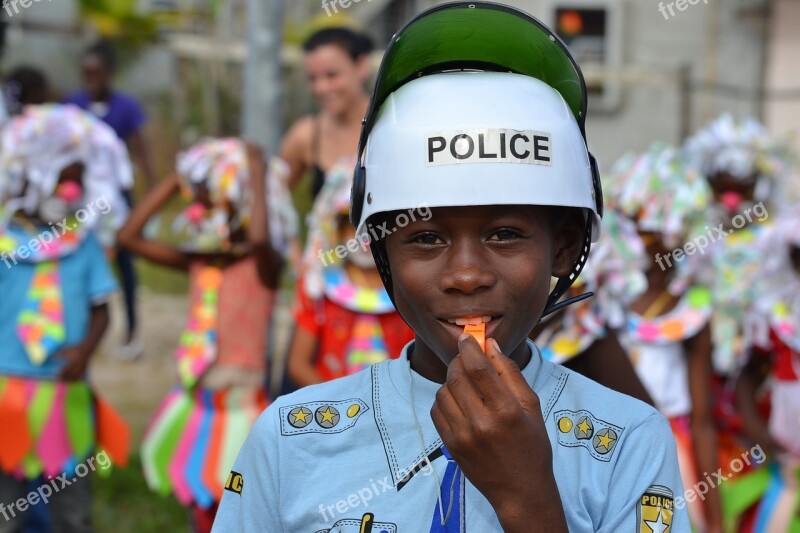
426,238
504,234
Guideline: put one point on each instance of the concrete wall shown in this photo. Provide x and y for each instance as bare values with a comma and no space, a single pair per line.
719,42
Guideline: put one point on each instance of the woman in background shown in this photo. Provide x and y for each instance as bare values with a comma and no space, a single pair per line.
337,64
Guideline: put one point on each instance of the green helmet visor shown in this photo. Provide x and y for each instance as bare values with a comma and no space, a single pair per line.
478,36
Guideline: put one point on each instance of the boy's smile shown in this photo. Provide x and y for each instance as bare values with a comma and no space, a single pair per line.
489,264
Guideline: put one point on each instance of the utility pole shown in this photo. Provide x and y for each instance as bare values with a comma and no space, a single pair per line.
261,101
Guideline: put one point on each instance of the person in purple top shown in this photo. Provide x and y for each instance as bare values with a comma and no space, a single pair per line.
127,117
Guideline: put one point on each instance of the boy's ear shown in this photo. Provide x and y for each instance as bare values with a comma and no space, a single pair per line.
567,241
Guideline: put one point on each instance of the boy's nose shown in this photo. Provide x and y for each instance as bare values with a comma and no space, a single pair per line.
466,271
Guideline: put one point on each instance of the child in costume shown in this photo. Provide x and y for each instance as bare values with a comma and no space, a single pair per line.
447,437
234,259
767,499
345,319
667,334
59,171
582,336
745,168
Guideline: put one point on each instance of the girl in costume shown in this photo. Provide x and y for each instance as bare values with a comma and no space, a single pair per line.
745,168
345,319
767,499
666,334
583,336
59,172
236,250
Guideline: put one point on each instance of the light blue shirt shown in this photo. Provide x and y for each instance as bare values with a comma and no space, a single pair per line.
86,280
346,456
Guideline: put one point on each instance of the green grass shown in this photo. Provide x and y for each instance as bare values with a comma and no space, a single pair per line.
123,504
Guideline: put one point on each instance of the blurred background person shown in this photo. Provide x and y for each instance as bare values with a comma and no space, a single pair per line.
127,117
344,318
336,61
234,255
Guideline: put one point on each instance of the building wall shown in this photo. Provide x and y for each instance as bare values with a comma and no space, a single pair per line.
782,109
718,42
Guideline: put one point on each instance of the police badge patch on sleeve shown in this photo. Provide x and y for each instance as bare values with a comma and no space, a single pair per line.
654,512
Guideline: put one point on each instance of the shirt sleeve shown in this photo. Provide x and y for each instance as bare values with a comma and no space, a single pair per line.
645,491
101,281
251,499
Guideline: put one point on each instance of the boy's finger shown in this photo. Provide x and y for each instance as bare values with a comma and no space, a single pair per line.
511,375
461,387
484,377
445,413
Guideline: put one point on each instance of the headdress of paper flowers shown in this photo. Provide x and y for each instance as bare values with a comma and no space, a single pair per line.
221,166
333,201
659,192
744,150
39,143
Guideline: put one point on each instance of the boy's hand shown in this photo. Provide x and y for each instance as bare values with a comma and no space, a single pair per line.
491,422
76,362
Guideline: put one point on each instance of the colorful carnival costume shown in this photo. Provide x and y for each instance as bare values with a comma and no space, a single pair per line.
355,326
767,499
196,433
663,197
51,277
613,273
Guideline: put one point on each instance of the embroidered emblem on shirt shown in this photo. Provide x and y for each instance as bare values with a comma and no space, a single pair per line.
582,429
367,524
321,417
654,511
299,417
327,416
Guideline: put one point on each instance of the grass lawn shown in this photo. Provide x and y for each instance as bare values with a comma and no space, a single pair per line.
124,504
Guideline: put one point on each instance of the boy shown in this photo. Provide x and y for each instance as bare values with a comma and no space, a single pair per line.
446,438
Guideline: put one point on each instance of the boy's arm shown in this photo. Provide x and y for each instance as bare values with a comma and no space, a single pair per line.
268,261
698,349
77,356
491,422
645,491
130,236
251,501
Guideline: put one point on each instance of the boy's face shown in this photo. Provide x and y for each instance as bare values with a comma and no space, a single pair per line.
478,261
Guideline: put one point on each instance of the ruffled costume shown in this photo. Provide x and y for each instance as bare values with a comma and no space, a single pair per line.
662,196
51,426
614,273
196,433
356,326
767,498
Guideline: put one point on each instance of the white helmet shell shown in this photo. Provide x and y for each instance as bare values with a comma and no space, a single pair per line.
476,138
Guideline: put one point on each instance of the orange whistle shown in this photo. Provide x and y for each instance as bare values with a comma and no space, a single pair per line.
479,332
